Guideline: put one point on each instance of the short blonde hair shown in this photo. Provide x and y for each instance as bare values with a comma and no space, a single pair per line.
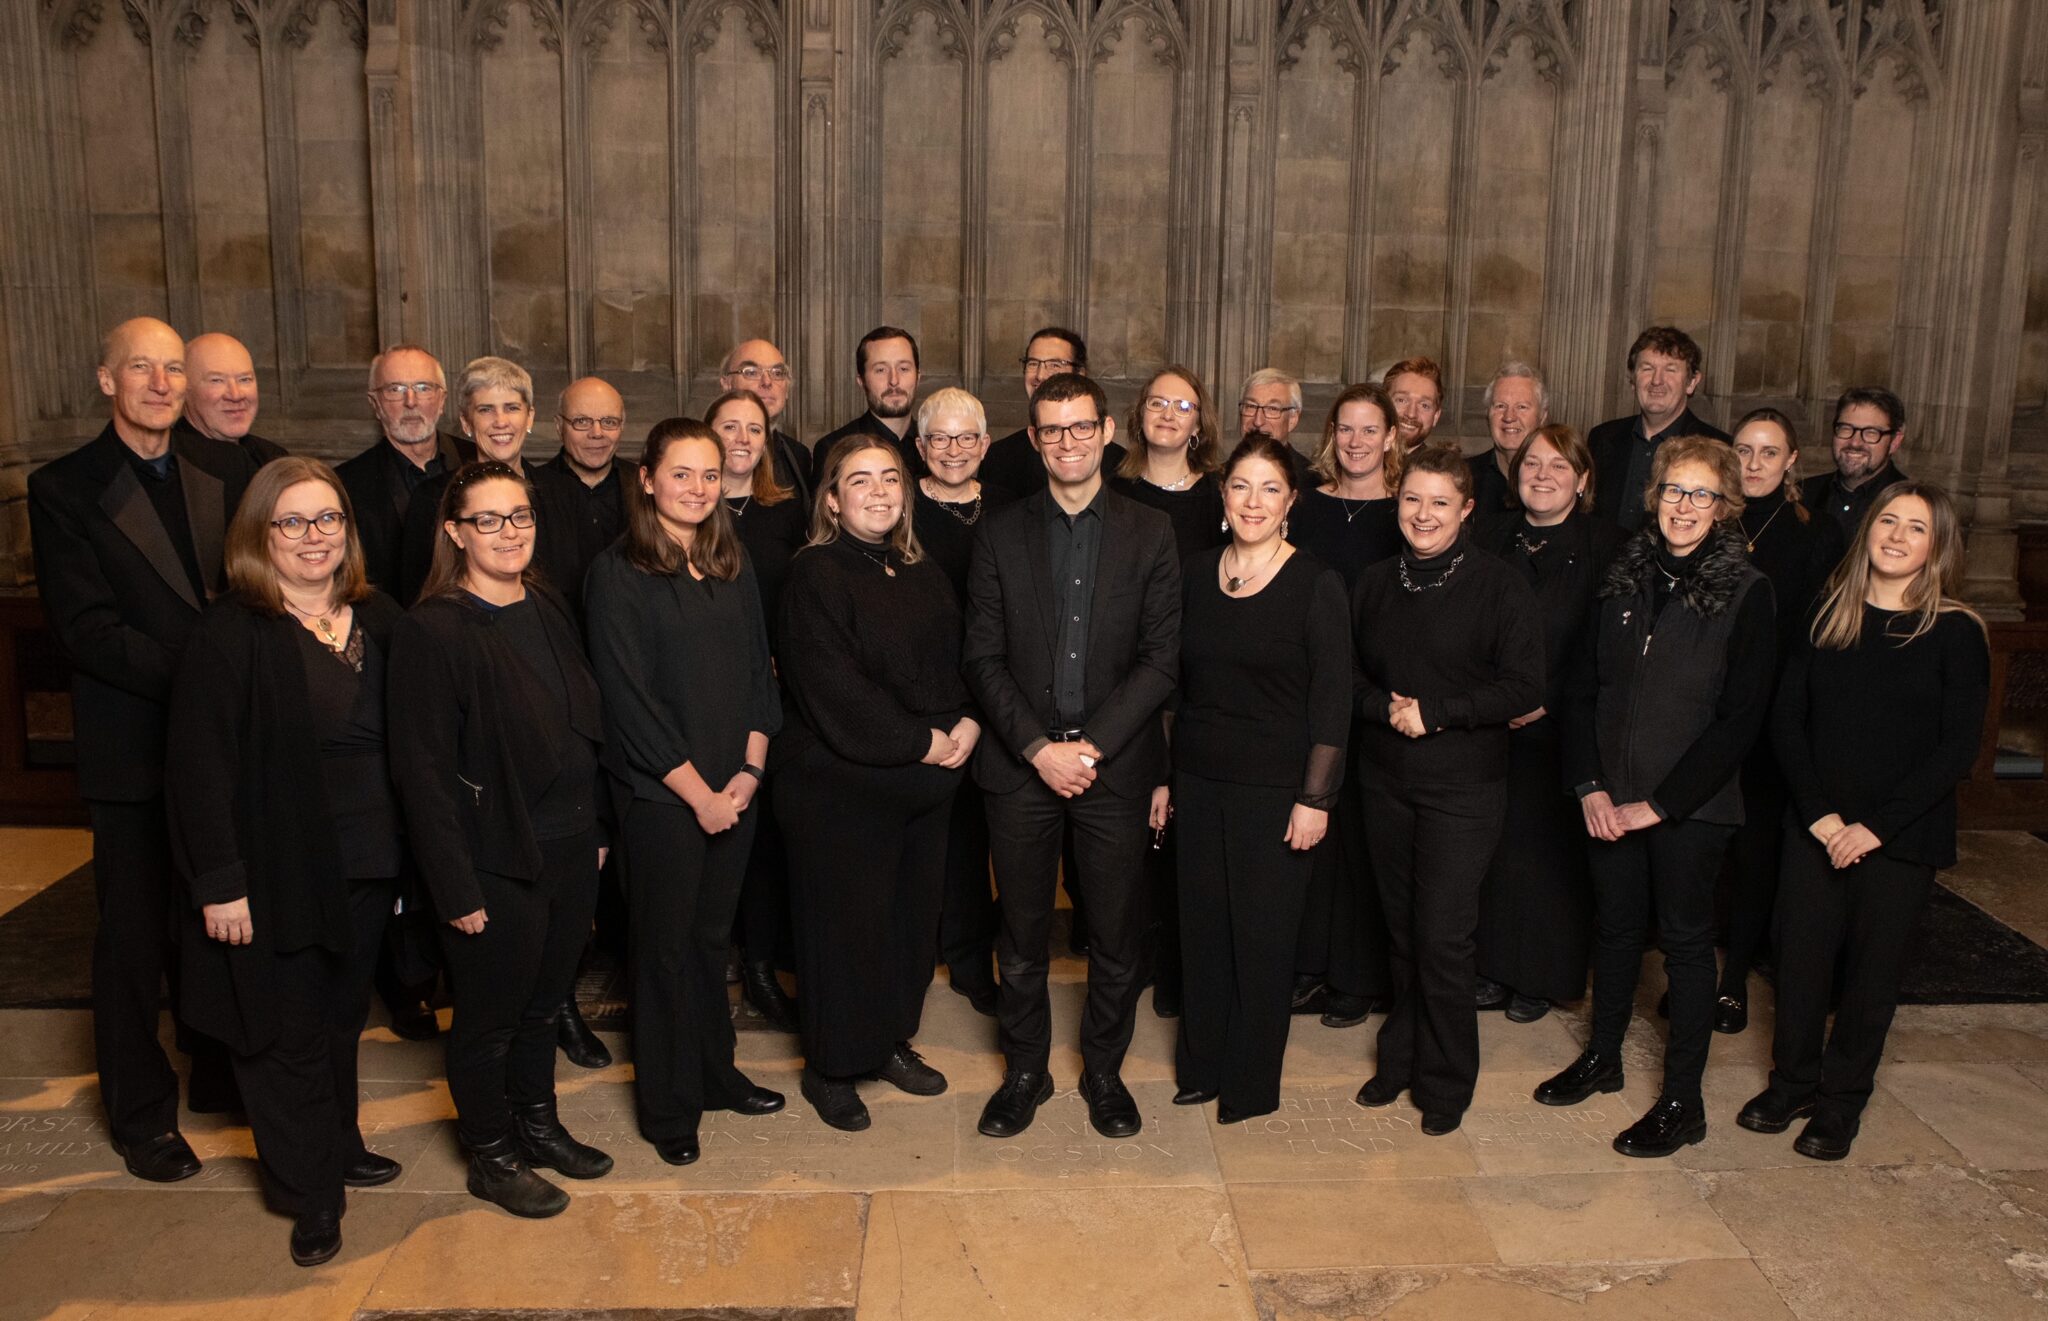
489,373
952,399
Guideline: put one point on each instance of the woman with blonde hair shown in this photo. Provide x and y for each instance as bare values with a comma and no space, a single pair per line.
1173,465
1876,723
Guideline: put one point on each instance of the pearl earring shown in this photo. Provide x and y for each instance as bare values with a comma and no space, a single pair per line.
1226,522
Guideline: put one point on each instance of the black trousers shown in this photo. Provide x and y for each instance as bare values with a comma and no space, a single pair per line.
509,981
300,1091
1865,916
867,872
1241,890
1343,928
409,961
682,887
1025,828
1753,867
967,909
1667,873
764,929
1431,845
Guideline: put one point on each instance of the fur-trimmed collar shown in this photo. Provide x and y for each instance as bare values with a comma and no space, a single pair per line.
1711,587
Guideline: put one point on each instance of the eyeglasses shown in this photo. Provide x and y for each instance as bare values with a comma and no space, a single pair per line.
1050,433
1267,412
1160,404
581,423
753,373
1046,364
939,440
295,528
521,517
397,390
1671,493
1866,435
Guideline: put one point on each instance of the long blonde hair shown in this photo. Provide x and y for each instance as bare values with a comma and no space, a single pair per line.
1838,624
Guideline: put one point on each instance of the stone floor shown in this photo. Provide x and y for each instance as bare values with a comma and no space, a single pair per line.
1323,1210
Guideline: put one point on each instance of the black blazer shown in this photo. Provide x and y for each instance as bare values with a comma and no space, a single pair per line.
118,597
475,741
560,498
1133,641
1610,442
248,812
376,492
259,450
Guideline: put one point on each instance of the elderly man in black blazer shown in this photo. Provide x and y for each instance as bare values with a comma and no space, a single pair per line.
407,391
1072,647
128,531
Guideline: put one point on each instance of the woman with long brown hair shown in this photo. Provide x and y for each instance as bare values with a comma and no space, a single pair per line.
286,831
1876,723
681,653
495,731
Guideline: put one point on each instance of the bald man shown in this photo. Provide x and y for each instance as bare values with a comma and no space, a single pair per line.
128,531
757,365
580,494
220,395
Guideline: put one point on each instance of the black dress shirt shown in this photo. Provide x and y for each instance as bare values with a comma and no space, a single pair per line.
576,521
1846,506
1074,544
867,424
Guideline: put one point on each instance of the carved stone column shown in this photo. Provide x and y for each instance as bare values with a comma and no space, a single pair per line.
387,173
1246,187
1638,210
445,257
172,36
819,343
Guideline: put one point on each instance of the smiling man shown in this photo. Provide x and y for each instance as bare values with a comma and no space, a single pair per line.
885,363
1870,426
1665,367
407,389
1517,407
221,395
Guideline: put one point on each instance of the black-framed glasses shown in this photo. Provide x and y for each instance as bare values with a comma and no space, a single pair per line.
398,390
1160,404
294,527
488,523
753,373
939,440
1672,493
1046,364
1049,433
1267,412
582,424
1867,435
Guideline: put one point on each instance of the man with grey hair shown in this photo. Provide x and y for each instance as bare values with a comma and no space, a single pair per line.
1270,402
757,365
406,391
221,396
1517,405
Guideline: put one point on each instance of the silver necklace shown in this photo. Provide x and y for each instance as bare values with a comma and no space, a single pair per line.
974,506
739,509
1180,485
1235,584
1445,577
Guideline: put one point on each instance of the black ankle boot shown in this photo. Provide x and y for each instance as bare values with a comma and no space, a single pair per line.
763,990
499,1176
576,1039
544,1144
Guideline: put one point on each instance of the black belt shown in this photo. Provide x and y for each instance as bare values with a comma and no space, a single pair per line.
1072,734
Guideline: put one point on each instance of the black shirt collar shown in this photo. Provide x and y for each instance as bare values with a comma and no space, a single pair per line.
1094,506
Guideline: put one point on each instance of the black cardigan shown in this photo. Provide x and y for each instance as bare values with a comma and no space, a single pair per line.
476,738
248,814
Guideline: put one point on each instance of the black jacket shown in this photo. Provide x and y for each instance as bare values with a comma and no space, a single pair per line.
476,739
259,450
563,546
1611,442
1566,574
375,481
248,812
1133,642
118,597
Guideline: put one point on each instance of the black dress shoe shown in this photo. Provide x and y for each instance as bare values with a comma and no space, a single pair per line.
1341,1010
678,1151
165,1158
763,990
370,1170
1436,1123
1230,1114
980,992
757,1101
837,1102
1827,1136
906,1071
1015,1104
1526,1008
1730,1015
577,1041
1664,1005
415,1022
1668,1126
1489,994
1591,1072
1166,1000
1195,1095
1771,1111
1310,995
499,1176
1111,1110
544,1144
1380,1090
316,1237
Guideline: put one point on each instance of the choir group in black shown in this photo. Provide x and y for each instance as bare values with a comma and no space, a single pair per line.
1376,728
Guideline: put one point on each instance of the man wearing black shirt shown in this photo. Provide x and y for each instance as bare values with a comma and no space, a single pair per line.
757,365
580,494
220,396
1664,368
128,532
1517,407
1012,463
407,389
1870,426
1072,647
885,363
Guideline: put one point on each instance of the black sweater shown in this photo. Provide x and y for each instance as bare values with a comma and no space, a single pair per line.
1881,734
1348,535
1564,563
1265,680
1196,512
1470,650
1796,556
947,537
872,662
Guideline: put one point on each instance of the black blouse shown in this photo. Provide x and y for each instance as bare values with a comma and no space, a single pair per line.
1196,512
1796,556
568,805
772,534
345,698
1348,535
945,530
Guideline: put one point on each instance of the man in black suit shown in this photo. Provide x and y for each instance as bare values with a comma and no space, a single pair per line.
128,531
1072,647
886,365
757,365
1517,407
1665,366
220,395
1870,426
407,389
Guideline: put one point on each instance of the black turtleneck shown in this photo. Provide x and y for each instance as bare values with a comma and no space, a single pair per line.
1796,553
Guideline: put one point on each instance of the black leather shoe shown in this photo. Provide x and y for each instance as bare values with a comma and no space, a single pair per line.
415,1022
678,1151
1591,1072
1310,994
1341,1010
1526,1008
980,991
497,1175
370,1170
906,1071
1668,1126
837,1102
1015,1104
1166,1000
1664,1005
544,1144
1489,994
1230,1114
1110,1107
577,1041
1730,1015
1827,1136
763,990
316,1237
759,1101
1380,1090
165,1158
1771,1111
1436,1123
1195,1095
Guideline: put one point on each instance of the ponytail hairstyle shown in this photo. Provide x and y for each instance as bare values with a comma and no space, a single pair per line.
1443,458
1838,624
1324,464
715,549
825,524
767,488
450,567
1791,433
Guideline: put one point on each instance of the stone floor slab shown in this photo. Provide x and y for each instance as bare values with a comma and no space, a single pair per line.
1892,1134
1062,1150
1974,1033
1556,1219
2001,872
1383,1222
1680,1291
1990,1112
1511,1133
1320,1132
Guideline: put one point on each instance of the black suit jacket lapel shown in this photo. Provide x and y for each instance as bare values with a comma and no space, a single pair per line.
204,501
127,504
1108,561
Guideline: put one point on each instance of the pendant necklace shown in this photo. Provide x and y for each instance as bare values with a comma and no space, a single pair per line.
881,560
322,622
739,509
1235,584
1752,539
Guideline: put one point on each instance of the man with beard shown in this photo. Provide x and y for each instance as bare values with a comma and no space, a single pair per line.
1517,405
1416,385
1870,426
757,365
885,364
407,389
1665,366
220,396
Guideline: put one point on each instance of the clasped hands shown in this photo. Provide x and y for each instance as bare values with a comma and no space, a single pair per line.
951,747
1605,821
1846,844
1061,766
